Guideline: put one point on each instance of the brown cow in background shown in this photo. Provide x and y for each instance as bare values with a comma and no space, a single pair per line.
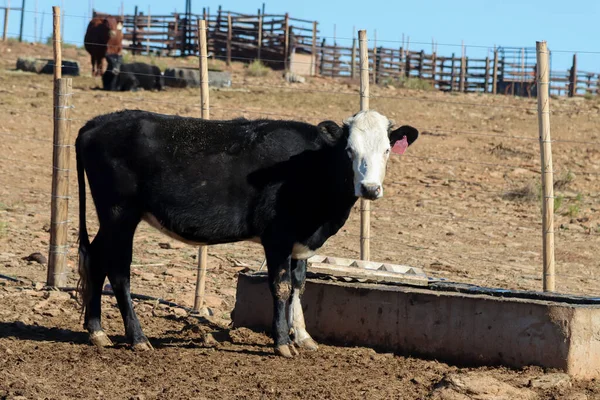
104,36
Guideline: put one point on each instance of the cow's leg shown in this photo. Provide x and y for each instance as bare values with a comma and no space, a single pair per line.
278,263
296,315
99,66
94,275
93,66
118,264
119,276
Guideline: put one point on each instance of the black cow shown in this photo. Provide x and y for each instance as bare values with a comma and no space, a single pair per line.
287,185
122,77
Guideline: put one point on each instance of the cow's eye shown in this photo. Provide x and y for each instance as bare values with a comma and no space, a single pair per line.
387,151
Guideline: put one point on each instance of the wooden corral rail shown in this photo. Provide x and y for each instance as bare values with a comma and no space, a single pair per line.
283,42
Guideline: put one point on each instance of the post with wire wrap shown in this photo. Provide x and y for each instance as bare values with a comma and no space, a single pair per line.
365,205
543,98
57,258
203,251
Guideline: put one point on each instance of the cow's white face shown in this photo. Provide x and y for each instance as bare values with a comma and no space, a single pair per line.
370,140
369,149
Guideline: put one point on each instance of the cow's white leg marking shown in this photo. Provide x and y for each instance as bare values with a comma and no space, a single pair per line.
297,324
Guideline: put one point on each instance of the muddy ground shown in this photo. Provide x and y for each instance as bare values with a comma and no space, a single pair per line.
463,204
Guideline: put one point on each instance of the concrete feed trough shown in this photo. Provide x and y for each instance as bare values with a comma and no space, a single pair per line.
459,323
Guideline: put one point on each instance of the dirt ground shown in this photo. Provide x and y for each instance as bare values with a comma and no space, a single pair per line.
463,204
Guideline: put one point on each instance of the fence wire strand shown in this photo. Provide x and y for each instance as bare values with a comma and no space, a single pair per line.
452,218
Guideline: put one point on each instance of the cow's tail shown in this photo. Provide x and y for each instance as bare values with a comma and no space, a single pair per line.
83,285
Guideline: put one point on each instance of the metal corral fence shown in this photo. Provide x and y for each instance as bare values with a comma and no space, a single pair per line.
62,216
283,42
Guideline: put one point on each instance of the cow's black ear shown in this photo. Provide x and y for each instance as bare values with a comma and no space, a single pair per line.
330,131
406,130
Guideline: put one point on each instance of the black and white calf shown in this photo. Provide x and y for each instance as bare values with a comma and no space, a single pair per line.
287,185
123,77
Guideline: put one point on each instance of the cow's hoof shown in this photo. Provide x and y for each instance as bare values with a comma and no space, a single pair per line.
143,346
308,344
287,351
100,339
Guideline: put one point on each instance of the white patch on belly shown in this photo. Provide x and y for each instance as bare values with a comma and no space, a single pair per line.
153,221
302,252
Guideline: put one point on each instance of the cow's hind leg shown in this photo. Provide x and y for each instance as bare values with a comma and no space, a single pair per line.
296,315
93,66
118,271
93,273
278,263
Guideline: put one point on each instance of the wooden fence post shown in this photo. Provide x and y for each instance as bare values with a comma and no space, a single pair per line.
148,33
466,74
229,35
134,36
374,59
259,36
205,114
57,257
334,58
433,68
314,50
573,78
487,74
353,59
421,61
6,11
463,70
495,75
365,205
453,73
286,47
218,29
543,81
321,58
401,60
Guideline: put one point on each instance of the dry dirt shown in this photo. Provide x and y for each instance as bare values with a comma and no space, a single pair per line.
461,204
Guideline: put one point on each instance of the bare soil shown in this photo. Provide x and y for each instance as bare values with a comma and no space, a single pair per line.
463,204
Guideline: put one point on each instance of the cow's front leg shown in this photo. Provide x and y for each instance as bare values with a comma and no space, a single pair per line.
280,283
296,315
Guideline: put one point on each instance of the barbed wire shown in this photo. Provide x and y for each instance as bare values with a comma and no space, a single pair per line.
28,163
419,247
424,131
463,256
287,115
24,137
376,209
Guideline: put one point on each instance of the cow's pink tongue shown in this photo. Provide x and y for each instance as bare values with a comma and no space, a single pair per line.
400,146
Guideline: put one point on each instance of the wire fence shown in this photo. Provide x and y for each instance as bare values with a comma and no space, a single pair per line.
445,253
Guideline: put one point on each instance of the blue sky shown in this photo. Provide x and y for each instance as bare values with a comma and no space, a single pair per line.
565,26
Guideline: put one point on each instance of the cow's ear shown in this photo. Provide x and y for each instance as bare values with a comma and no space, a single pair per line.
330,131
403,137
406,130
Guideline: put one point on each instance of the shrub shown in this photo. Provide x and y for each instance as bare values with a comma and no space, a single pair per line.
257,68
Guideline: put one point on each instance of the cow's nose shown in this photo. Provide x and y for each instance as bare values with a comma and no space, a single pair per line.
370,191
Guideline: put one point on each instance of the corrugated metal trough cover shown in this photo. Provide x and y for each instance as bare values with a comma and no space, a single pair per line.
365,271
